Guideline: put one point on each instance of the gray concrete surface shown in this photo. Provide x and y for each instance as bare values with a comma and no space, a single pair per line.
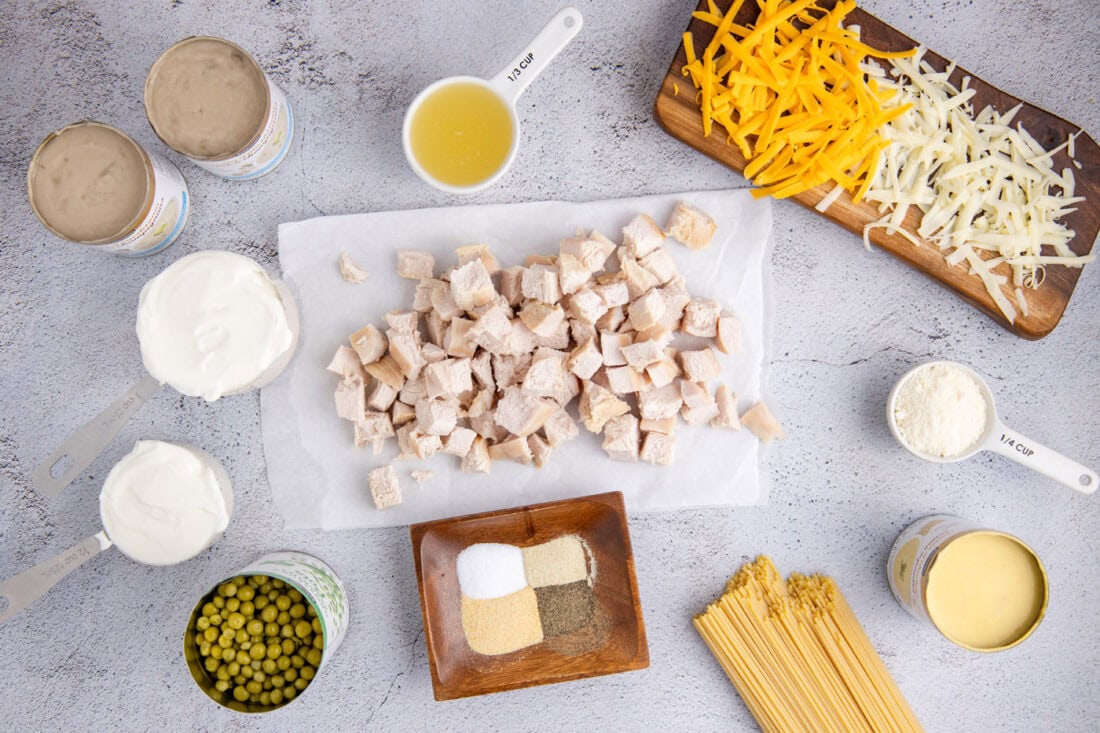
102,651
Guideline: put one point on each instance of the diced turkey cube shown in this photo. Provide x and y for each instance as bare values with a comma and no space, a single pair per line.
676,299
614,293
537,259
515,449
415,264
350,271
481,402
405,352
660,263
387,371
422,299
477,458
482,367
471,285
469,252
456,339
540,449
522,414
401,413
658,449
611,345
622,438
727,409
587,306
572,274
443,301
701,318
585,359
523,341
385,490
639,280
412,391
458,442
432,353
624,380
762,423
662,372
448,377
369,344
664,425
592,250
641,354
540,282
436,327
613,320
598,405
435,417
345,362
557,339
382,396
728,338
351,399
699,405
545,378
660,403
646,311
493,331
374,426
642,235
559,428
407,321
581,331
543,319
691,226
511,285
701,365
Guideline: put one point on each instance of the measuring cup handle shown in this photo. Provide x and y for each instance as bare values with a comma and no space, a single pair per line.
1012,444
518,75
85,445
30,585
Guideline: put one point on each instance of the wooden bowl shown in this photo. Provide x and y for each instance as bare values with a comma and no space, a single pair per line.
619,644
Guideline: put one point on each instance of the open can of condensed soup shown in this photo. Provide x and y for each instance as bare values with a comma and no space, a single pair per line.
984,590
93,184
256,640
209,100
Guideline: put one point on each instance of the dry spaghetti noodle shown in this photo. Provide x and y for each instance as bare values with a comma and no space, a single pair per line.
798,656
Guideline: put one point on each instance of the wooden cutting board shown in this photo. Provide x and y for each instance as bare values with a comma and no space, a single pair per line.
677,112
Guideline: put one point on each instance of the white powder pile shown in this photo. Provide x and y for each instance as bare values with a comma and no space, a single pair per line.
940,411
490,570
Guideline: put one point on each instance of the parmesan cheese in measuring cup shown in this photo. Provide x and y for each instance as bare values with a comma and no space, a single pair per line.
940,410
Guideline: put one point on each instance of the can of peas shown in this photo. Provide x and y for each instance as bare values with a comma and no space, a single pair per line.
257,639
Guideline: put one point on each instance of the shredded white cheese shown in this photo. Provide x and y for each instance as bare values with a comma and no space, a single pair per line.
988,192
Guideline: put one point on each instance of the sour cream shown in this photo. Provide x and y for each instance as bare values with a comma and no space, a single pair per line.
211,324
164,503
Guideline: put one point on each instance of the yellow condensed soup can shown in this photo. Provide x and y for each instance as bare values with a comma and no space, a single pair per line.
984,590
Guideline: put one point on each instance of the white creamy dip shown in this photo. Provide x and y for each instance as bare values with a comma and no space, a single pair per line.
212,323
162,503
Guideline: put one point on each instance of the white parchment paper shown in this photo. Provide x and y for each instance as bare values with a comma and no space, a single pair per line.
319,478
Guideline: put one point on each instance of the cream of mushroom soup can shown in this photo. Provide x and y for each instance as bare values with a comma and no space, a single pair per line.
209,100
93,184
982,589
320,587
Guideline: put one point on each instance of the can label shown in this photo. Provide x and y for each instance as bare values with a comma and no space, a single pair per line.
166,218
318,583
266,151
913,554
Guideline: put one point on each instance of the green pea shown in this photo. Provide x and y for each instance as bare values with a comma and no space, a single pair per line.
204,648
297,661
300,684
265,698
255,627
218,602
277,681
232,604
283,663
265,588
229,589
287,631
229,654
302,629
290,675
308,673
243,658
269,666
246,593
257,651
276,697
259,675
247,672
271,629
289,693
254,687
246,645
274,651
239,581
223,672
209,609
234,668
247,607
221,685
311,611
282,602
240,694
314,656
225,641
216,619
202,623
318,642
236,620
282,618
211,664
289,647
261,602
297,610
276,583
317,628
269,613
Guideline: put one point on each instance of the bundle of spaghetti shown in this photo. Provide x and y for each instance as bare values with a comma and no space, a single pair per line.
798,656
790,92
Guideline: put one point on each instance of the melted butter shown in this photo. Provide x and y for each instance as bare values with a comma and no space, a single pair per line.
206,98
89,183
985,591
461,134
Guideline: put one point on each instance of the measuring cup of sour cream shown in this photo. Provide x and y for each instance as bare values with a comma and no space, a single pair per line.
161,504
461,133
211,324
943,412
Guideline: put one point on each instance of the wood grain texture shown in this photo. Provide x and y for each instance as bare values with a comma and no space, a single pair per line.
677,112
599,520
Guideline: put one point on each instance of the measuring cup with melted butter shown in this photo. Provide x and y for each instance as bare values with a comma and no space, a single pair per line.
161,504
211,324
944,397
461,133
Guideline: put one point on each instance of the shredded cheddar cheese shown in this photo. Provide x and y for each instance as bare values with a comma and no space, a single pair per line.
791,94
